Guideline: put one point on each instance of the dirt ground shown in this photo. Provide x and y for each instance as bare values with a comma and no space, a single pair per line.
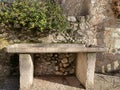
102,82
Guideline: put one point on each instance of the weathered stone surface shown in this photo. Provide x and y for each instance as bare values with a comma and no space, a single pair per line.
51,48
75,7
112,38
101,10
107,59
26,71
85,69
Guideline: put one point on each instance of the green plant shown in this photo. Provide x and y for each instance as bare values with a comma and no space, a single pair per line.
32,15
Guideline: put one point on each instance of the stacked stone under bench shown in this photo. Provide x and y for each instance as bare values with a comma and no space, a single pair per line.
85,65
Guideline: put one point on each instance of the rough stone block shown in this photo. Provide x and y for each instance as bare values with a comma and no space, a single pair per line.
26,71
85,68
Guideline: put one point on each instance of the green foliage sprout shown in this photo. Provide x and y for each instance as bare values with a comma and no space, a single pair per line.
32,15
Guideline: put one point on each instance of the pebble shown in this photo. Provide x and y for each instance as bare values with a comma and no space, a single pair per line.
65,64
75,26
58,73
65,73
64,60
62,69
71,19
56,68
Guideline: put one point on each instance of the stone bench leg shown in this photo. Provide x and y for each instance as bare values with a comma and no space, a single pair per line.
85,67
26,71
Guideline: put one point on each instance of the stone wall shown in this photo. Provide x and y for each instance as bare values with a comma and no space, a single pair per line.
55,64
110,61
107,62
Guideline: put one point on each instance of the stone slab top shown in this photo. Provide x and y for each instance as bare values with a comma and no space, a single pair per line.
51,48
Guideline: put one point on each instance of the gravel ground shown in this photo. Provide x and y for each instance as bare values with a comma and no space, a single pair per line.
102,82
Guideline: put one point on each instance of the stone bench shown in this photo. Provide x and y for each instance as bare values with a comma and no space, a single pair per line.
85,65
